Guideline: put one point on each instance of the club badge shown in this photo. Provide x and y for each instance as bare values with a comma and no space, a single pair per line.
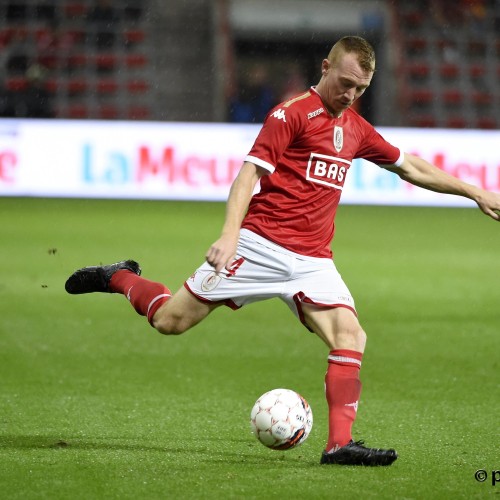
338,138
210,282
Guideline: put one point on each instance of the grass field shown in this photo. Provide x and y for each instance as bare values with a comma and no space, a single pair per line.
95,404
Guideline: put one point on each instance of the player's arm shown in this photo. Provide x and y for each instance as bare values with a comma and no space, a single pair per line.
221,253
419,172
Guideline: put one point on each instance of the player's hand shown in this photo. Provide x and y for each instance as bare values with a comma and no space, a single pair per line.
221,254
489,203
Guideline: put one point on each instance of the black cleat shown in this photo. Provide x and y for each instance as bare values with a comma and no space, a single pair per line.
97,278
354,453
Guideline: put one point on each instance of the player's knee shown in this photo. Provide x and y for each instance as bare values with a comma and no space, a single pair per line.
168,324
361,337
351,338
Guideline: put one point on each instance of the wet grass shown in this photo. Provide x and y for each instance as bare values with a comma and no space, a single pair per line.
95,404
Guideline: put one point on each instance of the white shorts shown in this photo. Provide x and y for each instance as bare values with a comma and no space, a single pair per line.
263,270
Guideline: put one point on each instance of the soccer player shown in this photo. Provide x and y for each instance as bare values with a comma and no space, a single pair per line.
276,243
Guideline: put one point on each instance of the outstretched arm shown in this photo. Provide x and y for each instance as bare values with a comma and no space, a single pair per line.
419,172
221,253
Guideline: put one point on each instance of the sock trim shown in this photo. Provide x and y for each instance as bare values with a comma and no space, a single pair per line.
343,359
156,299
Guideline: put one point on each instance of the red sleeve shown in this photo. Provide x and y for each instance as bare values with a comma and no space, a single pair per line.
280,128
376,149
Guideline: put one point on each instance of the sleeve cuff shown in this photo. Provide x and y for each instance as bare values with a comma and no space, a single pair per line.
260,163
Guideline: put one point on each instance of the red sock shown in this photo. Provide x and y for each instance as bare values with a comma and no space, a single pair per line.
343,388
145,296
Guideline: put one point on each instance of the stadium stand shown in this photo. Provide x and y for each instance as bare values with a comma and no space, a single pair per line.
91,55
150,59
449,52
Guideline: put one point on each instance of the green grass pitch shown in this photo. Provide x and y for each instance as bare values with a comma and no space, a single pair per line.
95,404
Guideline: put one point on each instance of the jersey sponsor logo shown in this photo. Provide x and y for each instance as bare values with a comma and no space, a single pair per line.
280,114
338,138
313,114
327,170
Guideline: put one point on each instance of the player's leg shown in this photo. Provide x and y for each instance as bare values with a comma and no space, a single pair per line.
322,301
340,330
168,314
338,327
181,312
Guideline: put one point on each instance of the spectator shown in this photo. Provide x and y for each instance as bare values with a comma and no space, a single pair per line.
34,101
446,14
53,44
7,107
476,10
294,84
255,98
17,53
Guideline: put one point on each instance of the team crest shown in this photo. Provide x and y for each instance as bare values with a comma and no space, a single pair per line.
338,138
210,282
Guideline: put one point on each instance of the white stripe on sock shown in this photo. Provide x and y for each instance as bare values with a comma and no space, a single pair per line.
156,299
344,359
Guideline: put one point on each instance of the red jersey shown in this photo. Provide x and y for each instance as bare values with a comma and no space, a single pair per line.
308,153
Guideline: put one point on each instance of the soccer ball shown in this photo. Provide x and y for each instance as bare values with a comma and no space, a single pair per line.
281,419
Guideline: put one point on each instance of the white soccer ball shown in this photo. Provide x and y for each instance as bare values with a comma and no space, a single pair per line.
281,419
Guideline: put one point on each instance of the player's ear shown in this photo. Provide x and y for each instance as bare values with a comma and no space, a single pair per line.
325,66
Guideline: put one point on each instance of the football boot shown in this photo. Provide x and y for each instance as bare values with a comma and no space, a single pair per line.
354,453
97,278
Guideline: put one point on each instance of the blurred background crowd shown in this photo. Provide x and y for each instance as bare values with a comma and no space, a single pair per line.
438,61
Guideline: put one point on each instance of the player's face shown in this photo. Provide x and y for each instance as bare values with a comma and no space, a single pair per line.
343,82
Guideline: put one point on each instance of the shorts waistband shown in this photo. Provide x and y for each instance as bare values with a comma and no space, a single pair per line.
246,233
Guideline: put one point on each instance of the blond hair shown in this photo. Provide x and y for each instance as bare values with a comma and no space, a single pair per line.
357,45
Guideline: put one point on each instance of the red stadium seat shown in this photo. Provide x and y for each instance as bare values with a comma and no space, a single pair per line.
78,111
419,71
135,60
486,123
477,71
423,121
137,86
75,10
77,86
483,98
76,35
6,36
49,61
16,84
108,112
477,48
452,97
52,85
421,97
412,20
138,113
456,122
107,86
449,71
106,61
133,37
77,60
416,46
